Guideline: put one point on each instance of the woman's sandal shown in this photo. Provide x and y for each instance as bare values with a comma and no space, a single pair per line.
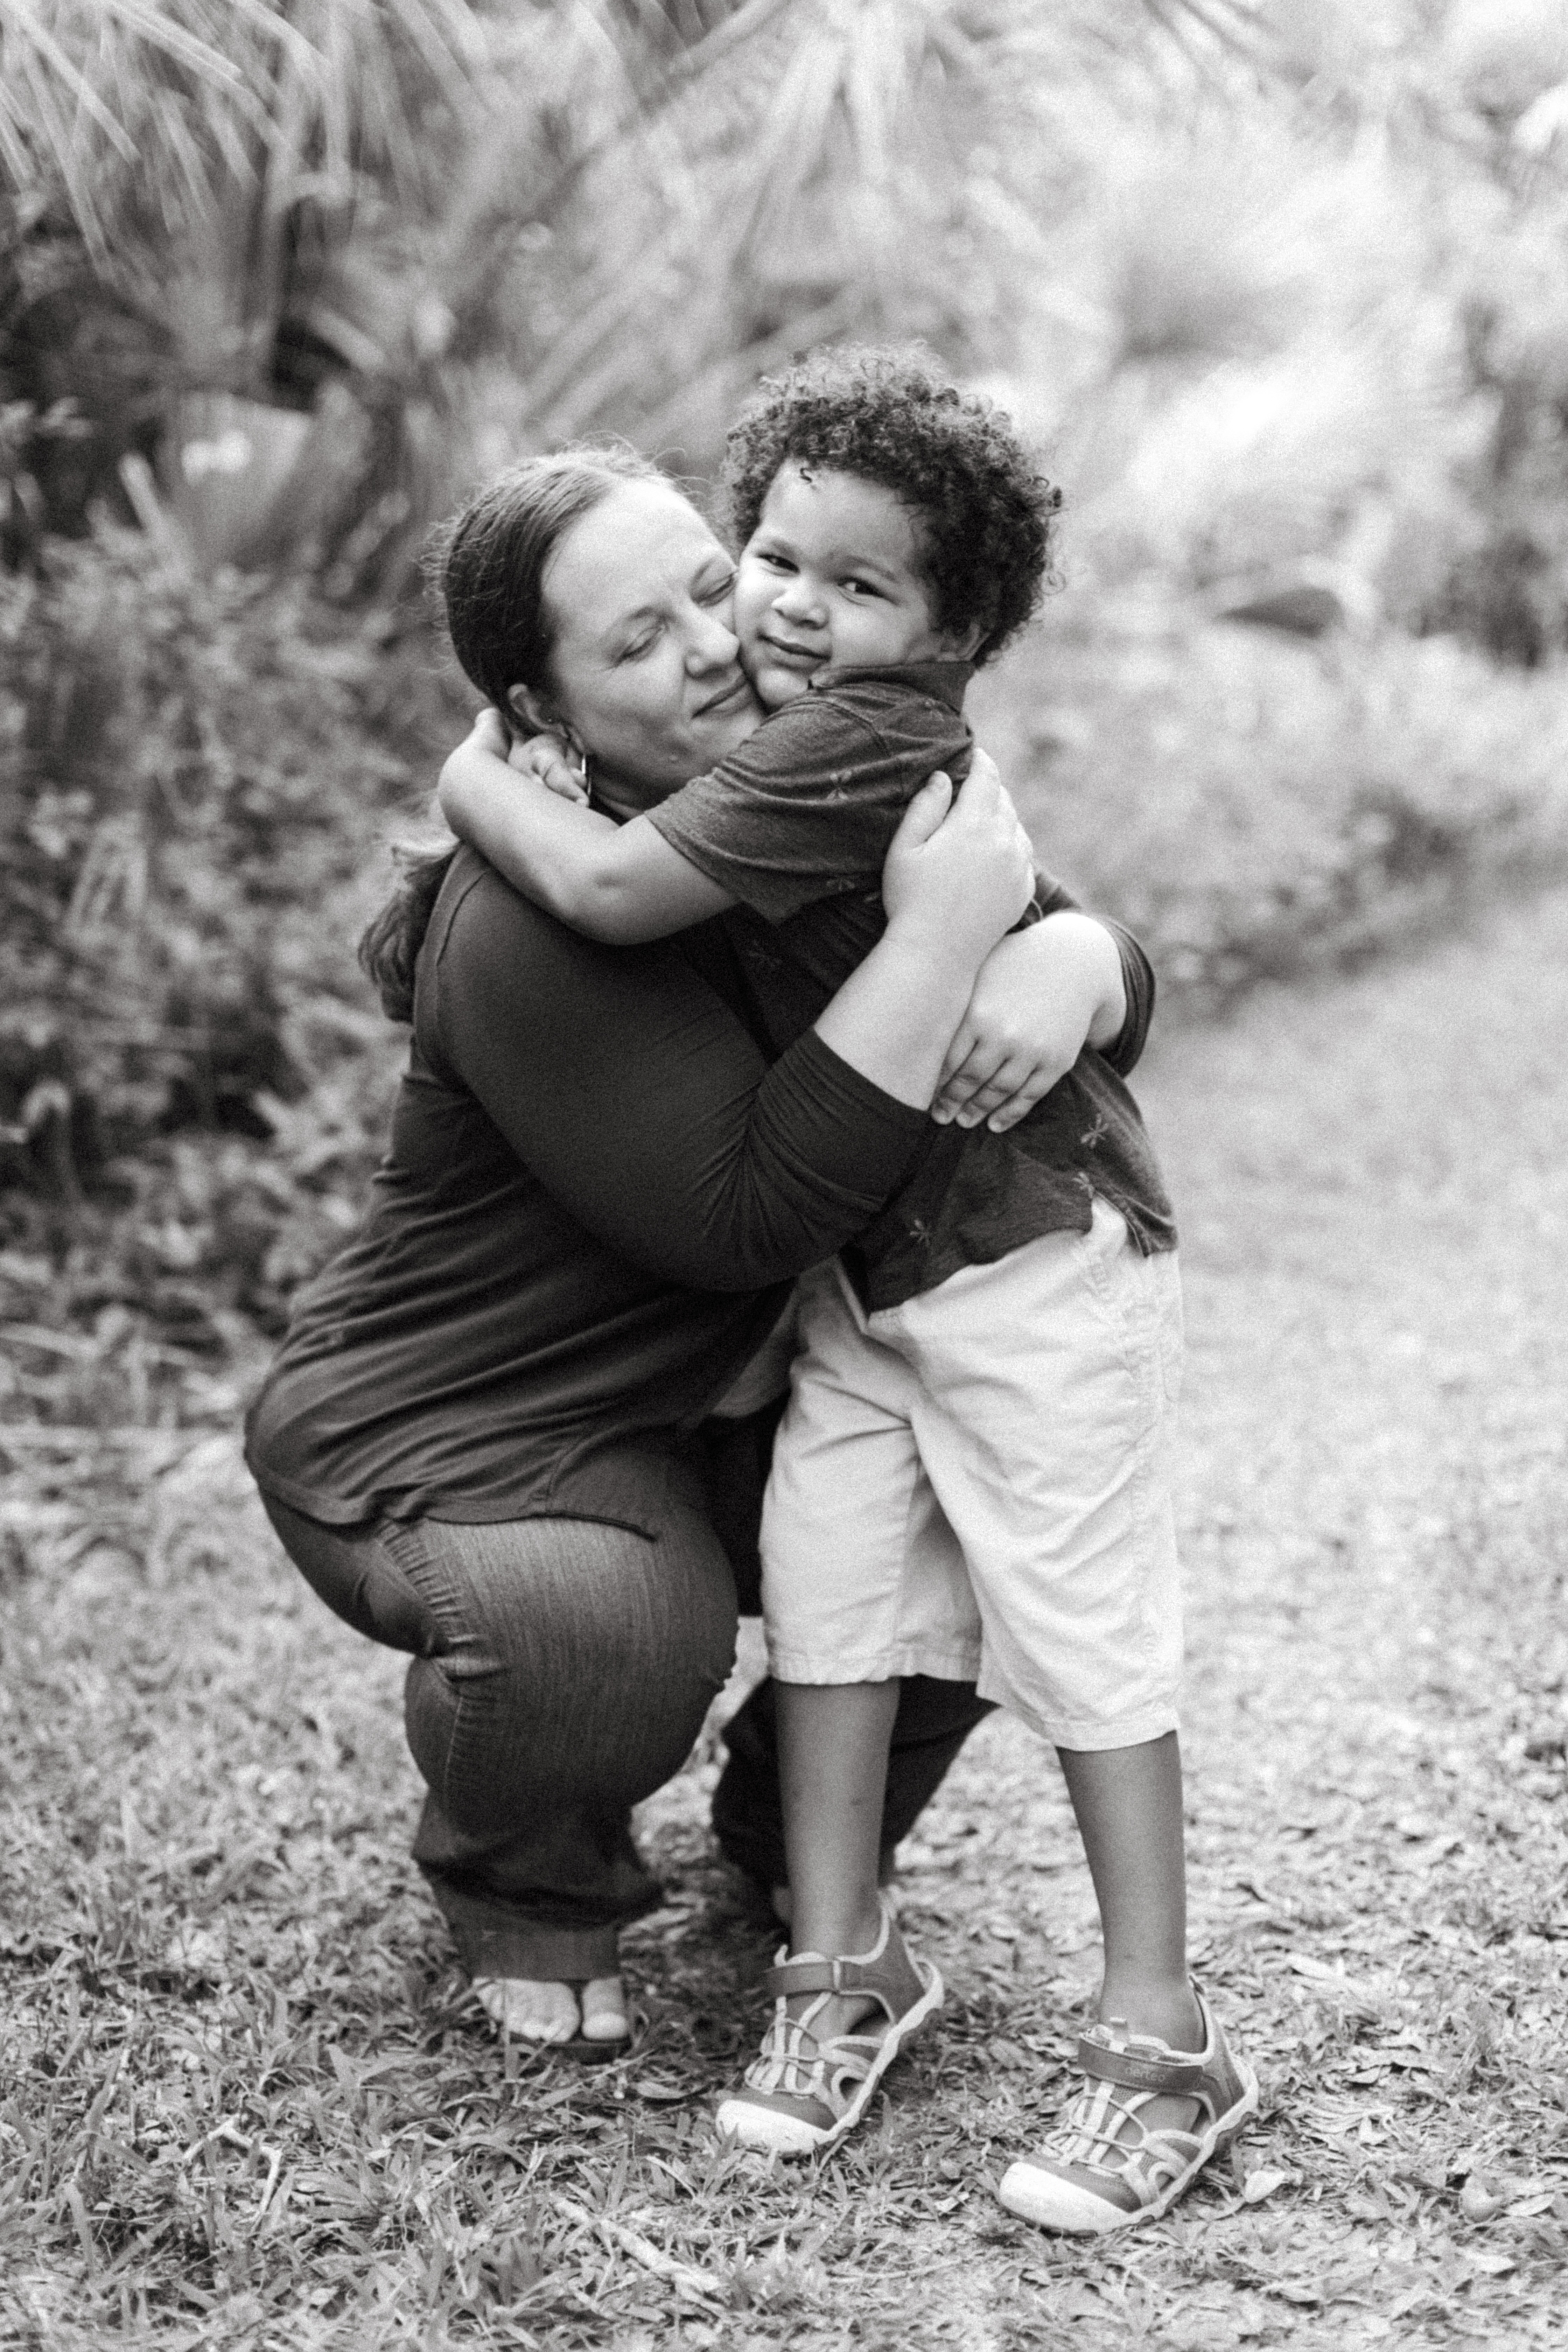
803,2095
589,2050
1134,2173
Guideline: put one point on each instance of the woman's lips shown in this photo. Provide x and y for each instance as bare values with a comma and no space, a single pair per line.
726,697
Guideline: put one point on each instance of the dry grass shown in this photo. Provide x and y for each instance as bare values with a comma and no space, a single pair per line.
246,2103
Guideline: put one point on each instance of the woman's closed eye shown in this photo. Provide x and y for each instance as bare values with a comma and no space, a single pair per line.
716,592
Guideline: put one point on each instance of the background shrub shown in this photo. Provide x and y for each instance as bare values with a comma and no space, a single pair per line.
1256,806
196,778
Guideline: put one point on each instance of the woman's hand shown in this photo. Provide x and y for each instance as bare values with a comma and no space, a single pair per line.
1041,995
960,870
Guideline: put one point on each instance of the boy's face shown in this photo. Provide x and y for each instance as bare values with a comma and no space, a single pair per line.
832,575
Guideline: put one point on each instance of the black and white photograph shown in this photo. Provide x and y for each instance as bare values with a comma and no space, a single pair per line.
783,1175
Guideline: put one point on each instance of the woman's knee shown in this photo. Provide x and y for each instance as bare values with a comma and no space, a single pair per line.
660,1626
585,1664
585,1604
699,1618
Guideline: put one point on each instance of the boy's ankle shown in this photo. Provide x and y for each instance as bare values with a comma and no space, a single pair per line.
849,1931
1166,2011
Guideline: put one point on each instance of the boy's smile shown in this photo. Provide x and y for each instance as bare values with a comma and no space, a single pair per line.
832,575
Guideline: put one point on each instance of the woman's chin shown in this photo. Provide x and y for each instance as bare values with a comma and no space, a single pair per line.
725,731
699,745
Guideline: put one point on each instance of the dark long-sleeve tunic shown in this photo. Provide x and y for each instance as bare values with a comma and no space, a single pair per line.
596,1196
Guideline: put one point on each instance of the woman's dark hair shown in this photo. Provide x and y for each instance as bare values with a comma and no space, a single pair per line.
984,510
488,565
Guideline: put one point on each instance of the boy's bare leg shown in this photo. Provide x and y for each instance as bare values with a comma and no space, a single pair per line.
1128,1803
833,1772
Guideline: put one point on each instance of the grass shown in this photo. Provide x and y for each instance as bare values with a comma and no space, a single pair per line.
246,2102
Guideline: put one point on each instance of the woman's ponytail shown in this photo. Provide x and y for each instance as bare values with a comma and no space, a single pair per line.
389,949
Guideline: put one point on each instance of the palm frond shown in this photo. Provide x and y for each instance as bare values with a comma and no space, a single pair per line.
629,204
176,95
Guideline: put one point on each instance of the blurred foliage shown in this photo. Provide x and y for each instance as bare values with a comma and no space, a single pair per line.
195,777
1281,280
1258,808
322,263
1279,283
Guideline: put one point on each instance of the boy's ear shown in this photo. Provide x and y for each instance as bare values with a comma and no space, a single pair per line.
966,643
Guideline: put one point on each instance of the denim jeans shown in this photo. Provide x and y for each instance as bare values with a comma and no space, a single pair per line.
561,1672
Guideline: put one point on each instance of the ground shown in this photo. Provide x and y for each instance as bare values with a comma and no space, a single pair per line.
245,2101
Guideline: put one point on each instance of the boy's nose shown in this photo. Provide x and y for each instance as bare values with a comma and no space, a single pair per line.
797,600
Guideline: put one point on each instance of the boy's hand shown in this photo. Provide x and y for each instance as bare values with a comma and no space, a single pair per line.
486,759
547,758
1041,995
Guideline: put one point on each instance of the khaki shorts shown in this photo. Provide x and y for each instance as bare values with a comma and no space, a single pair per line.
975,1484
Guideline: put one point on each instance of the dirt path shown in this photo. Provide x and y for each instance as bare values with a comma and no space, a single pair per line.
243,2102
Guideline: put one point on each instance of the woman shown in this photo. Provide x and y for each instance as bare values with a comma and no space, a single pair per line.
485,1439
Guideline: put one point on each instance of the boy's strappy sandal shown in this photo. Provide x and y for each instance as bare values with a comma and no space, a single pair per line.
802,2094
1103,2169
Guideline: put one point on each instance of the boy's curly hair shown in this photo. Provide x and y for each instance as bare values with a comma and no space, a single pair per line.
986,511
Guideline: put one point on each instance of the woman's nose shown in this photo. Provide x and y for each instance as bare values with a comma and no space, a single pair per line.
712,647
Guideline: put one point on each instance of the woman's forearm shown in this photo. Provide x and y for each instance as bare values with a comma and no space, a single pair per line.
955,879
1098,972
894,1017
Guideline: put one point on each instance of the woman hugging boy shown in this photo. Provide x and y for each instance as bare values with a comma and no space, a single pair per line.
972,1479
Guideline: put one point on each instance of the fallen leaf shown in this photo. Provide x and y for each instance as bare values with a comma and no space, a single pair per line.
1353,1993
1477,2201
1261,2184
1494,2265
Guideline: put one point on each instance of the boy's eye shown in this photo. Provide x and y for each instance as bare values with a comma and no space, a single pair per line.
859,588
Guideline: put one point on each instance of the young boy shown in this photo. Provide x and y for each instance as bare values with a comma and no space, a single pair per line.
971,1480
